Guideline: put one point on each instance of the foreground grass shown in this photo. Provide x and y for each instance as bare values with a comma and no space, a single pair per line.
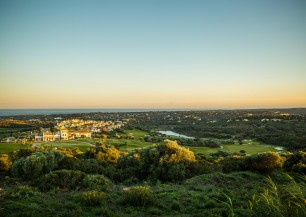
214,194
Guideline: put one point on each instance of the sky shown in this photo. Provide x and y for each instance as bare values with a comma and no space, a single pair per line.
203,54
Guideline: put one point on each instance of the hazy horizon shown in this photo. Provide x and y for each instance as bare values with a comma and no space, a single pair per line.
161,108
17,112
152,54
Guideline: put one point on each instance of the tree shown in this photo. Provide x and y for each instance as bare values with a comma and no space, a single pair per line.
101,152
36,164
166,162
5,163
264,162
209,143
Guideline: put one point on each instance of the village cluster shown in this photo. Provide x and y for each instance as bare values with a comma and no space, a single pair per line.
77,128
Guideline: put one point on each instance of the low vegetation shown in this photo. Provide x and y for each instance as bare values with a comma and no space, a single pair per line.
165,179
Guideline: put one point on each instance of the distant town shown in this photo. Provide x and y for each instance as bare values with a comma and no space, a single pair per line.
62,130
77,128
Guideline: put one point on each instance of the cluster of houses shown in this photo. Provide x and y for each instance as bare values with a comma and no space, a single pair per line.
91,125
63,134
77,128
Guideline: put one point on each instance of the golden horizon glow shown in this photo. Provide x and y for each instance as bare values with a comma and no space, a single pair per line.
133,55
152,99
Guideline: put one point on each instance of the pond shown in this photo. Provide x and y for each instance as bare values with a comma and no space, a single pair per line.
279,148
171,133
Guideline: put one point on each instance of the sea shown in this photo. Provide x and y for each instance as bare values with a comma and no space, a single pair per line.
16,112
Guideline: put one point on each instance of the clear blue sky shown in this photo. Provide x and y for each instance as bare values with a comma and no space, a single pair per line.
152,54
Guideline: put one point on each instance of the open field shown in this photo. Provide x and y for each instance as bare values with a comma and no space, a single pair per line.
9,129
138,134
3,129
250,149
9,147
82,145
128,145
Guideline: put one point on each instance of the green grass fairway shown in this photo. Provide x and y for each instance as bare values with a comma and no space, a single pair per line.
127,145
6,130
138,134
130,144
250,149
82,145
9,147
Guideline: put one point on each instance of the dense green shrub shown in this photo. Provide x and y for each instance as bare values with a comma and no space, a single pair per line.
63,179
88,166
93,166
296,162
299,168
264,162
24,152
139,196
221,154
166,162
97,182
75,152
209,143
172,172
5,163
24,191
207,164
69,163
36,164
92,198
232,163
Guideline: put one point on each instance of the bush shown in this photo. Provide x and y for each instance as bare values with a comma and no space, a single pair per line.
171,172
232,163
209,143
69,152
24,191
5,163
63,179
207,164
93,166
220,154
97,182
92,198
139,196
296,162
166,162
109,154
69,163
299,168
264,162
170,151
37,164
24,152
